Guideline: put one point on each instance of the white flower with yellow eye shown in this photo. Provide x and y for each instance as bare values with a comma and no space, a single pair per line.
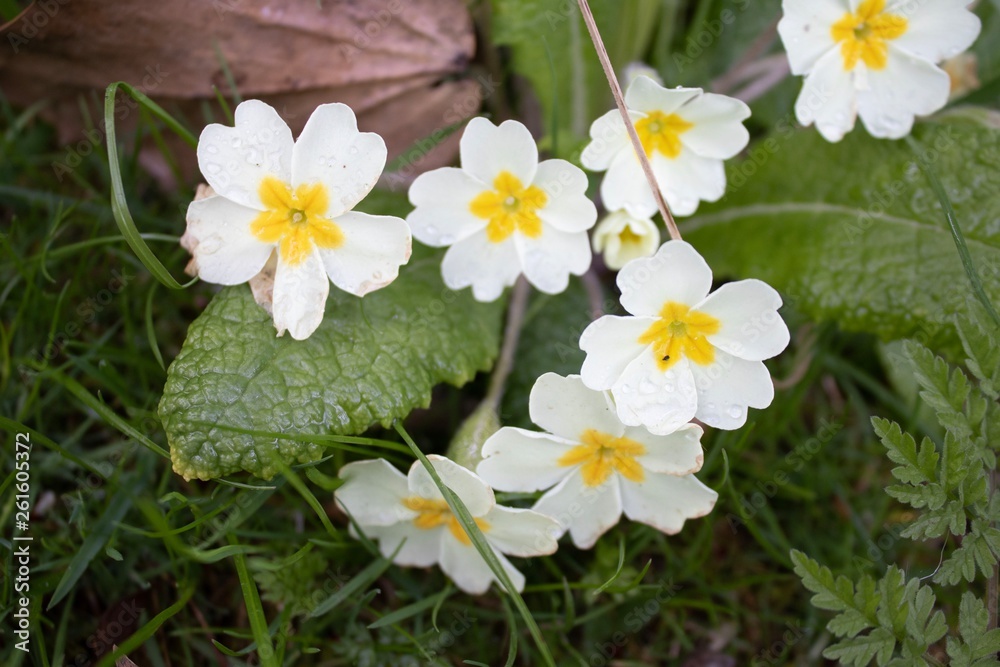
596,467
504,213
392,508
684,353
622,237
686,134
873,58
294,198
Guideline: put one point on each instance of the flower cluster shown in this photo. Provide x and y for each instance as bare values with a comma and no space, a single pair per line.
873,58
620,438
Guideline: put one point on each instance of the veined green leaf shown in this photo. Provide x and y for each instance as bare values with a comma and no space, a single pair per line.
863,236
235,384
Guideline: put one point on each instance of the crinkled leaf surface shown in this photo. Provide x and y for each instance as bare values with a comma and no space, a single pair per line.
235,385
852,232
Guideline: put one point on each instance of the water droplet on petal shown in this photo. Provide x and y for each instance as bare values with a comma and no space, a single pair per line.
735,412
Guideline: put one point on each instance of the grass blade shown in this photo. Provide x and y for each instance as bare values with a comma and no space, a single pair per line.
255,611
145,632
97,538
461,513
119,205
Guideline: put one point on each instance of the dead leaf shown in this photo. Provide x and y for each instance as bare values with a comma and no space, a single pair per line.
398,63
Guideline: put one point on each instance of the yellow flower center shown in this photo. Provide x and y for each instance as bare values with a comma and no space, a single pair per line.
434,513
601,454
294,219
680,332
660,132
510,207
864,36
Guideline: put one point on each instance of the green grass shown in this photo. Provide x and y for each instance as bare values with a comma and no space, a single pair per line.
246,572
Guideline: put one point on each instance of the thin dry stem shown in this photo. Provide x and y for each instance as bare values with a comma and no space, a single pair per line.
511,335
616,91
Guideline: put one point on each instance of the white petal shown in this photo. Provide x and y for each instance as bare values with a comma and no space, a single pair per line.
566,407
661,401
718,130
677,453
727,386
675,273
748,312
625,186
936,29
469,570
300,293
665,501
568,208
908,86
607,239
518,460
611,344
522,533
374,248
225,250
488,267
587,512
549,259
487,150
828,98
234,160
332,151
373,493
442,199
608,137
422,547
646,95
477,496
805,30
688,179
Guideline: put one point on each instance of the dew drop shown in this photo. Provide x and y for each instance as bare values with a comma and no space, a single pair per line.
735,412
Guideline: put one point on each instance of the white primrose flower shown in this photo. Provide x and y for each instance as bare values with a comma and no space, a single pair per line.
686,134
595,466
294,199
504,213
685,353
392,508
875,58
623,237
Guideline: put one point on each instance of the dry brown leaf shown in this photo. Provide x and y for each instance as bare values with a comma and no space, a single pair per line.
397,63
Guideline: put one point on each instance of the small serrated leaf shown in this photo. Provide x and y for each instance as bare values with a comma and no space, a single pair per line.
859,651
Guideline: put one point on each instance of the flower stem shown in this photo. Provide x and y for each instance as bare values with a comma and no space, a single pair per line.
616,91
511,336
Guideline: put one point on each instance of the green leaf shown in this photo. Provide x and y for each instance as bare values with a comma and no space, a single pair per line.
945,389
860,651
864,239
235,386
915,467
982,350
892,612
977,646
